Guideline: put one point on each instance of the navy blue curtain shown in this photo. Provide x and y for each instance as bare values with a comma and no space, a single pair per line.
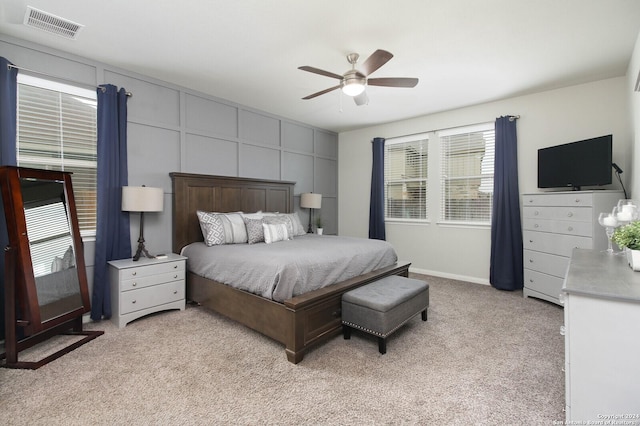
8,93
506,230
113,240
376,206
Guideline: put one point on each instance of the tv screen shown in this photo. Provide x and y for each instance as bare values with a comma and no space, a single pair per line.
576,164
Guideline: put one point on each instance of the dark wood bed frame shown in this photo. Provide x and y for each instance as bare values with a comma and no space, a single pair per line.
300,322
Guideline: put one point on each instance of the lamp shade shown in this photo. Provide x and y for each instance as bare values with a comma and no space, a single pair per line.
309,200
142,199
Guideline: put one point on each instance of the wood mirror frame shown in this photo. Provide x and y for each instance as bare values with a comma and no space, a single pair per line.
50,296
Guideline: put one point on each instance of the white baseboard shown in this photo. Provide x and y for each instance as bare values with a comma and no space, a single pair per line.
474,280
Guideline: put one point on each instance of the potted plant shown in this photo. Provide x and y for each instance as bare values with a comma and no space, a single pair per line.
319,225
628,237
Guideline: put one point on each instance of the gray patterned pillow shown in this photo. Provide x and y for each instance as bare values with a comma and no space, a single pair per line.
280,219
298,229
212,228
255,232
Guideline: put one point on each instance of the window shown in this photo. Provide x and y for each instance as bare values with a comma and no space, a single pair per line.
405,174
56,130
467,158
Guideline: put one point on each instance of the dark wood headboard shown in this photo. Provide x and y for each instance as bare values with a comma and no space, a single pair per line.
193,192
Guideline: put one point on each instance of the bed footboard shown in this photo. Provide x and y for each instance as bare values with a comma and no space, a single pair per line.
299,323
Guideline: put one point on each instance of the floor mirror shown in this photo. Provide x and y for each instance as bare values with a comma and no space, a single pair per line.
45,279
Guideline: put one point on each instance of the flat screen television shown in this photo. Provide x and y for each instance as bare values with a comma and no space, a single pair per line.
577,164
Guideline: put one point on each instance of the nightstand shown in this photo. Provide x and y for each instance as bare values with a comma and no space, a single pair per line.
146,286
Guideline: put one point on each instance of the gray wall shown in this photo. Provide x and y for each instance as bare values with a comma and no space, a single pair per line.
171,128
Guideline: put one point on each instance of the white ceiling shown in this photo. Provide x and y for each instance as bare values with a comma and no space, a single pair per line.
464,52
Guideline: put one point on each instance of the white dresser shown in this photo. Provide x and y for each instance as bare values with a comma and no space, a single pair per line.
554,223
146,286
601,317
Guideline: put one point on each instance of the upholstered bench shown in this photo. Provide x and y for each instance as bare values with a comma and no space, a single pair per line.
383,306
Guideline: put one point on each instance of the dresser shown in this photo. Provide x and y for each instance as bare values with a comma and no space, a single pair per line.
601,318
554,223
146,286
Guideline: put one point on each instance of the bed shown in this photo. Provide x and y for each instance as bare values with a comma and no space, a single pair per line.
299,322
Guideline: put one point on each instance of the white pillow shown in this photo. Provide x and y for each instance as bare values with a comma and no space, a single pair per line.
235,231
256,215
275,232
281,219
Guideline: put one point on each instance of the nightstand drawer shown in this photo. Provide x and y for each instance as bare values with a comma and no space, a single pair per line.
148,297
146,281
144,271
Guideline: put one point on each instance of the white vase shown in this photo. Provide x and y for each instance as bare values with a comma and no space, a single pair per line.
633,258
319,231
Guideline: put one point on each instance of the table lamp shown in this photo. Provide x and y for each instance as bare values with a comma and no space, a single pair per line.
310,201
142,199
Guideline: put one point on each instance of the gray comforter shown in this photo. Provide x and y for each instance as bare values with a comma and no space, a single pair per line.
284,269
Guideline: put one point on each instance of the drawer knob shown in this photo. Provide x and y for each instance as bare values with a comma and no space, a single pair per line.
530,241
133,301
570,214
134,284
577,200
562,330
570,228
175,276
175,291
531,200
336,313
530,260
175,266
530,280
134,273
536,213
536,226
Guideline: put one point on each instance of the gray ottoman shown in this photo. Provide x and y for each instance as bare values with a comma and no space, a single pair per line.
383,306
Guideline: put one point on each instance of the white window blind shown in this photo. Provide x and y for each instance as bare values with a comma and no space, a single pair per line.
57,131
467,163
405,174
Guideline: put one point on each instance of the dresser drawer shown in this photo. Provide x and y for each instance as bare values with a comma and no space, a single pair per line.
559,244
148,297
543,283
145,281
155,269
544,262
577,214
566,199
584,229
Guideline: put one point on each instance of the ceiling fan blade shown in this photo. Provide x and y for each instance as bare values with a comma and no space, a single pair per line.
393,82
319,71
322,92
361,99
375,61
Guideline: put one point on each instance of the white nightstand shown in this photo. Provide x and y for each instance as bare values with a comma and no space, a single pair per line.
146,286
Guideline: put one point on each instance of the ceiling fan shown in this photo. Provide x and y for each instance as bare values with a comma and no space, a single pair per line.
353,82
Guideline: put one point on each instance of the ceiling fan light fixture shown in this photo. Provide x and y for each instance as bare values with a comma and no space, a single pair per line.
353,85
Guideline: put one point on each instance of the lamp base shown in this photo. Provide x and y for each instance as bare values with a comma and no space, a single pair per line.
142,249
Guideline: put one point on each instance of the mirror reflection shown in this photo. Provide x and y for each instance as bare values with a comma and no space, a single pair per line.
51,246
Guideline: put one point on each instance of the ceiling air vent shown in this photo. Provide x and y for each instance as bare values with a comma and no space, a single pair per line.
51,23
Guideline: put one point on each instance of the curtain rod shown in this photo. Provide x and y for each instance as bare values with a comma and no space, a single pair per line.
129,94
511,118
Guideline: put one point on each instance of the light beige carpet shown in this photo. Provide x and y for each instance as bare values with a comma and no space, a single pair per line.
483,357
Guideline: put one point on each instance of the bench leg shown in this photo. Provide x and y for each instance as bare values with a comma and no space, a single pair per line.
382,345
424,315
346,332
